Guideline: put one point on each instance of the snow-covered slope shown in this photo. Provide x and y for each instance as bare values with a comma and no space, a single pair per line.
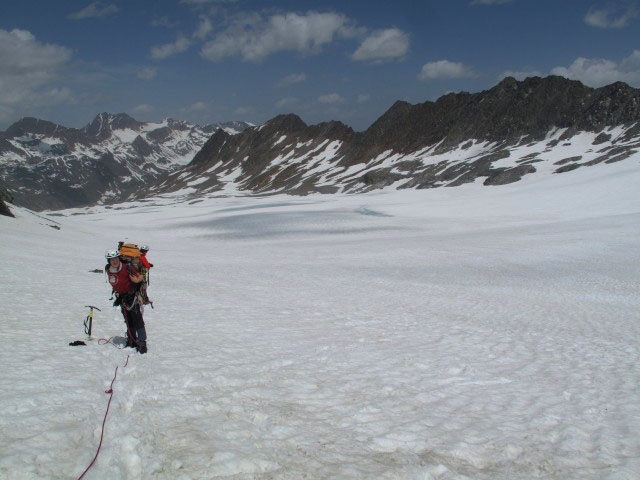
467,333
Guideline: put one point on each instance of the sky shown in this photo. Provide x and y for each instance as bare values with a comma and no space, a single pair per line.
211,61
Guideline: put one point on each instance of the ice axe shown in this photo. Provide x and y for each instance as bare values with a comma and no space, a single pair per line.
88,322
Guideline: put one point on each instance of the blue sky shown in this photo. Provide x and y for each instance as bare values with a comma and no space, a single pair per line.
218,60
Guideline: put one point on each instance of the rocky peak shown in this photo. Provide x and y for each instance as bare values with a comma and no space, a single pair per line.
397,111
105,123
211,147
123,121
332,130
30,125
177,124
289,123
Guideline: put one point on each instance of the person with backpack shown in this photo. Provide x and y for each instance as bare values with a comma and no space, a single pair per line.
124,280
144,262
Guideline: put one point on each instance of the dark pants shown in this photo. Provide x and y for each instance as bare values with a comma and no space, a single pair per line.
136,333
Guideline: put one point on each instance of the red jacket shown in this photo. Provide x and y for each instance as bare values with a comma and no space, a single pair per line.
143,260
120,281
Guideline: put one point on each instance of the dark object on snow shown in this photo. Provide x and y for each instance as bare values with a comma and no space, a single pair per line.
96,270
77,343
5,197
4,209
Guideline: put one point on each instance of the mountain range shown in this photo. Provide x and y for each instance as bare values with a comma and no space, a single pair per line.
516,129
44,165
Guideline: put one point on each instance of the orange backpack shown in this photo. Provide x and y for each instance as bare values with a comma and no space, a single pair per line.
130,253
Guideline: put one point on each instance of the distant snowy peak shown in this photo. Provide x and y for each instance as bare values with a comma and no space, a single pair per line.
105,123
48,165
181,139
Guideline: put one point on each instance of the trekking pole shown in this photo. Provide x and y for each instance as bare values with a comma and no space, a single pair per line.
88,322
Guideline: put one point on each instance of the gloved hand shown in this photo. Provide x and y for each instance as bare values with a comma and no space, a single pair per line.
150,265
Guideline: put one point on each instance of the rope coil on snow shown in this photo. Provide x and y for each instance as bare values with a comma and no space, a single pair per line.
104,341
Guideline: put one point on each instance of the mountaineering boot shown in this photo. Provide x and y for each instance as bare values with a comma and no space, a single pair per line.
141,335
130,343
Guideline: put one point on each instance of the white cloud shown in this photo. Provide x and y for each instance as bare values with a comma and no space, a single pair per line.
292,79
147,73
611,16
196,107
53,96
204,28
163,51
520,75
445,69
383,45
599,72
286,102
244,111
143,108
632,62
253,38
95,9
27,69
489,2
331,99
362,98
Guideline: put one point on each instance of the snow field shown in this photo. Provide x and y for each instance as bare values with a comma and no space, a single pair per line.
484,333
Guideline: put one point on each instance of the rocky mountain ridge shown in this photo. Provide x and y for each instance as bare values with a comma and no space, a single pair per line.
45,165
537,126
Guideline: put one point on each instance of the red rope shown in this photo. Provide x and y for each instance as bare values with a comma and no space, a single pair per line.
104,421
104,341
130,336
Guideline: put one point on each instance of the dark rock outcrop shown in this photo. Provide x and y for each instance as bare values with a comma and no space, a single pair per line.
5,197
